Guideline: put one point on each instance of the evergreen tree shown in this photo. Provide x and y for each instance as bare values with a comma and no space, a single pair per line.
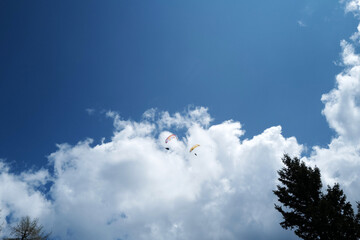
310,213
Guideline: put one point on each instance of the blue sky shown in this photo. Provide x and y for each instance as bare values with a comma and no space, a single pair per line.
74,70
248,61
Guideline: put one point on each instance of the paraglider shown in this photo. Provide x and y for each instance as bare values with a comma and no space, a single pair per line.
193,147
168,139
172,143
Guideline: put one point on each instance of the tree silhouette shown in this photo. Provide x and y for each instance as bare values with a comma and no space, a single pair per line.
309,212
28,229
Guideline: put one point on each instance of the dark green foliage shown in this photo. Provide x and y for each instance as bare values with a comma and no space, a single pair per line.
310,213
28,229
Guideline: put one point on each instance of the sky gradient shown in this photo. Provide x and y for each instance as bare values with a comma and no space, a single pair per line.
252,62
89,90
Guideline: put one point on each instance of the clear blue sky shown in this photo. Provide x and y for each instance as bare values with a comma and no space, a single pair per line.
262,63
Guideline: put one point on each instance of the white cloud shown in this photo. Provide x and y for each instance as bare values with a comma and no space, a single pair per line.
342,103
20,196
197,115
150,114
132,188
301,23
356,36
340,160
352,6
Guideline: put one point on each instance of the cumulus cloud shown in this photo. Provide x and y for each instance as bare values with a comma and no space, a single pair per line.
20,195
356,36
198,115
340,160
133,188
342,103
352,6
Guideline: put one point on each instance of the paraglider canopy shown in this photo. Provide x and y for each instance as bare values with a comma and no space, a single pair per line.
168,142
193,147
169,138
